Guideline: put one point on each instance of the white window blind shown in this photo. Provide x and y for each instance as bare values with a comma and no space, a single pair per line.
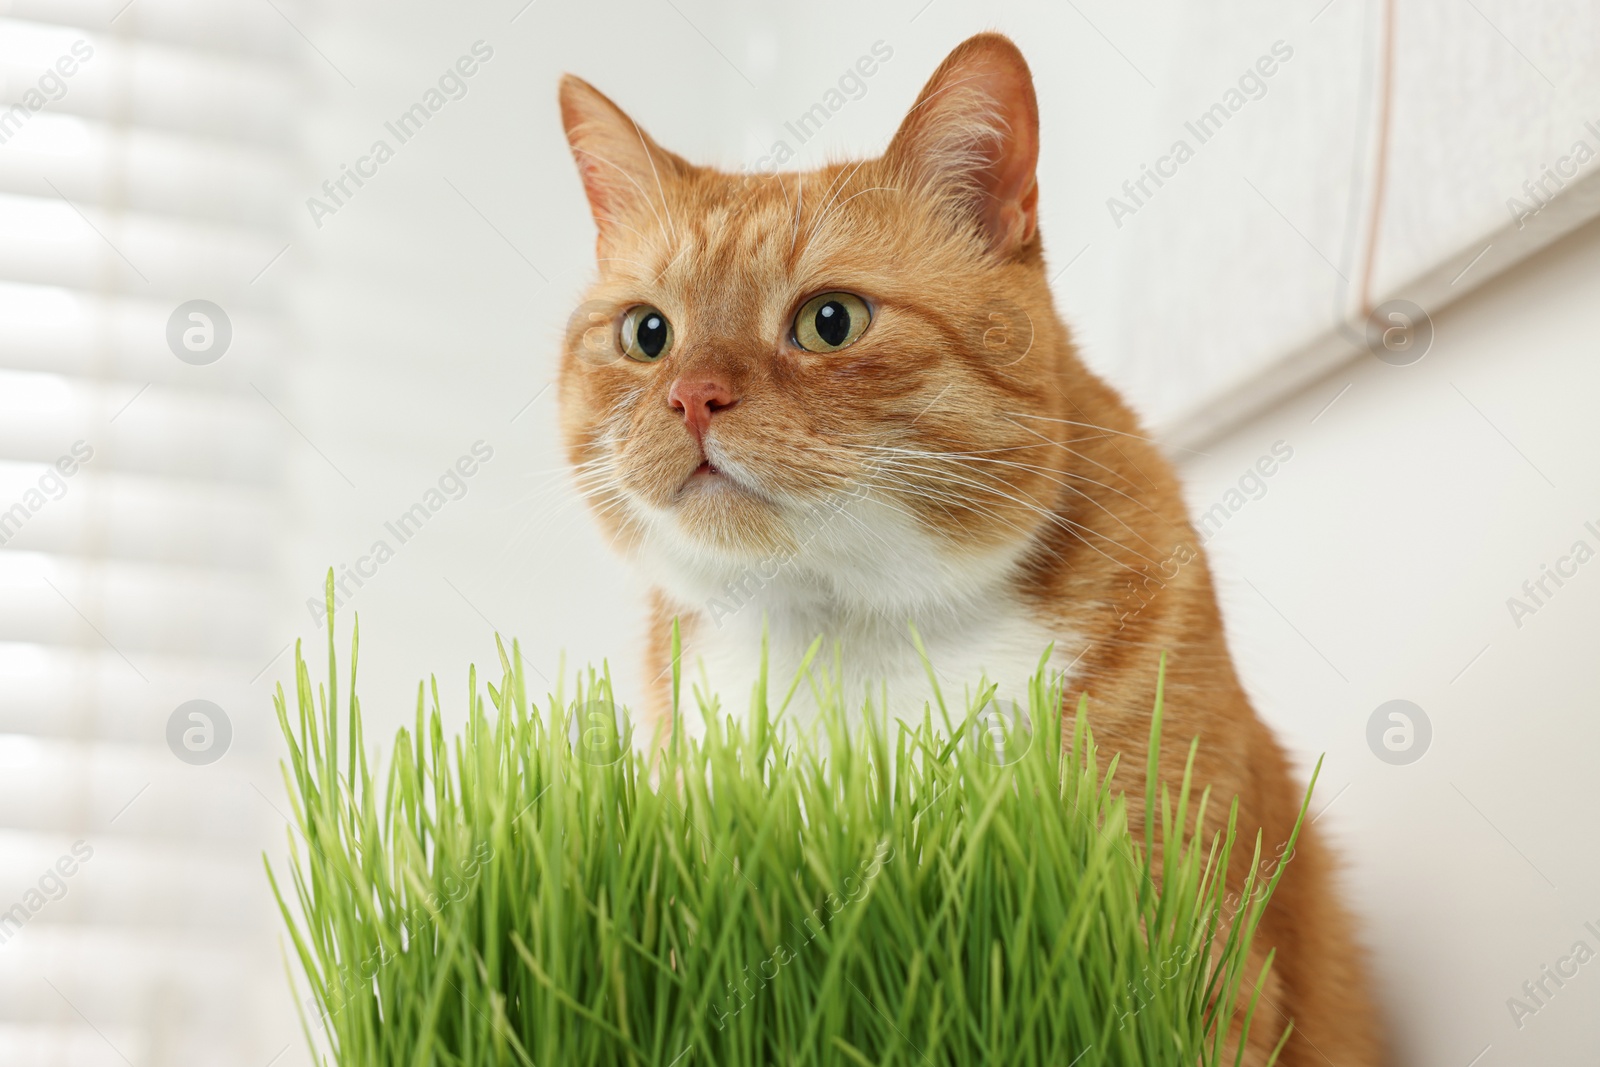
144,152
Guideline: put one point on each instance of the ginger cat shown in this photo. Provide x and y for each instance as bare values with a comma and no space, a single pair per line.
831,402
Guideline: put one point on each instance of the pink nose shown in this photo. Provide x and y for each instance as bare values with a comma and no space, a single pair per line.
697,399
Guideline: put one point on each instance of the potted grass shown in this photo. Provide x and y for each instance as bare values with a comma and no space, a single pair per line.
539,890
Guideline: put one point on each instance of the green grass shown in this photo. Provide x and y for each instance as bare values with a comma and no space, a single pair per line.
535,891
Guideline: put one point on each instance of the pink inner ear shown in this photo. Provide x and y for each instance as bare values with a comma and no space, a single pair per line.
977,122
594,185
617,162
1010,214
586,115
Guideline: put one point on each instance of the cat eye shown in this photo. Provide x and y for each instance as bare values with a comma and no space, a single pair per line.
831,321
646,334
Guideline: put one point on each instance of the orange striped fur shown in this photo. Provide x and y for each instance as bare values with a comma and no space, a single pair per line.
956,466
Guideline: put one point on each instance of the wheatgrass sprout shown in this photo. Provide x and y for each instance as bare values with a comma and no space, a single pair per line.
537,891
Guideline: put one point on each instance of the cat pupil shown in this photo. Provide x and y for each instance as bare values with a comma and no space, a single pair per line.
833,323
652,335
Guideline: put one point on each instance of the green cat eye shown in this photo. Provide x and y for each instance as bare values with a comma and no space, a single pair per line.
831,321
646,334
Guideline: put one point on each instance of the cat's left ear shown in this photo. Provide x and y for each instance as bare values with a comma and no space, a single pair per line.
973,135
623,170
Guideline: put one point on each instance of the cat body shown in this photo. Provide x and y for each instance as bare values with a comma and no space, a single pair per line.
840,402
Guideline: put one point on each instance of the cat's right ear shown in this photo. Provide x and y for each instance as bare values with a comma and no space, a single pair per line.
973,138
624,172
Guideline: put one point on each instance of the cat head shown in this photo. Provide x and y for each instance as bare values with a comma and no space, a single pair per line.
848,365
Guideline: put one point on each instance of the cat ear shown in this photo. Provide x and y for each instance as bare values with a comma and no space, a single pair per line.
623,170
973,135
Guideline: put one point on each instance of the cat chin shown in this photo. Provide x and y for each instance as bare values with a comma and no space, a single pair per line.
717,524
865,556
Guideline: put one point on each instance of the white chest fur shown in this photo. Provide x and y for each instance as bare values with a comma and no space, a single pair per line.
871,659
859,582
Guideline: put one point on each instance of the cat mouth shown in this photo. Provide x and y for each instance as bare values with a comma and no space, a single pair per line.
708,477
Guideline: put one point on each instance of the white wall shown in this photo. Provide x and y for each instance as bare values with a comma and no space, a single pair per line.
1414,507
